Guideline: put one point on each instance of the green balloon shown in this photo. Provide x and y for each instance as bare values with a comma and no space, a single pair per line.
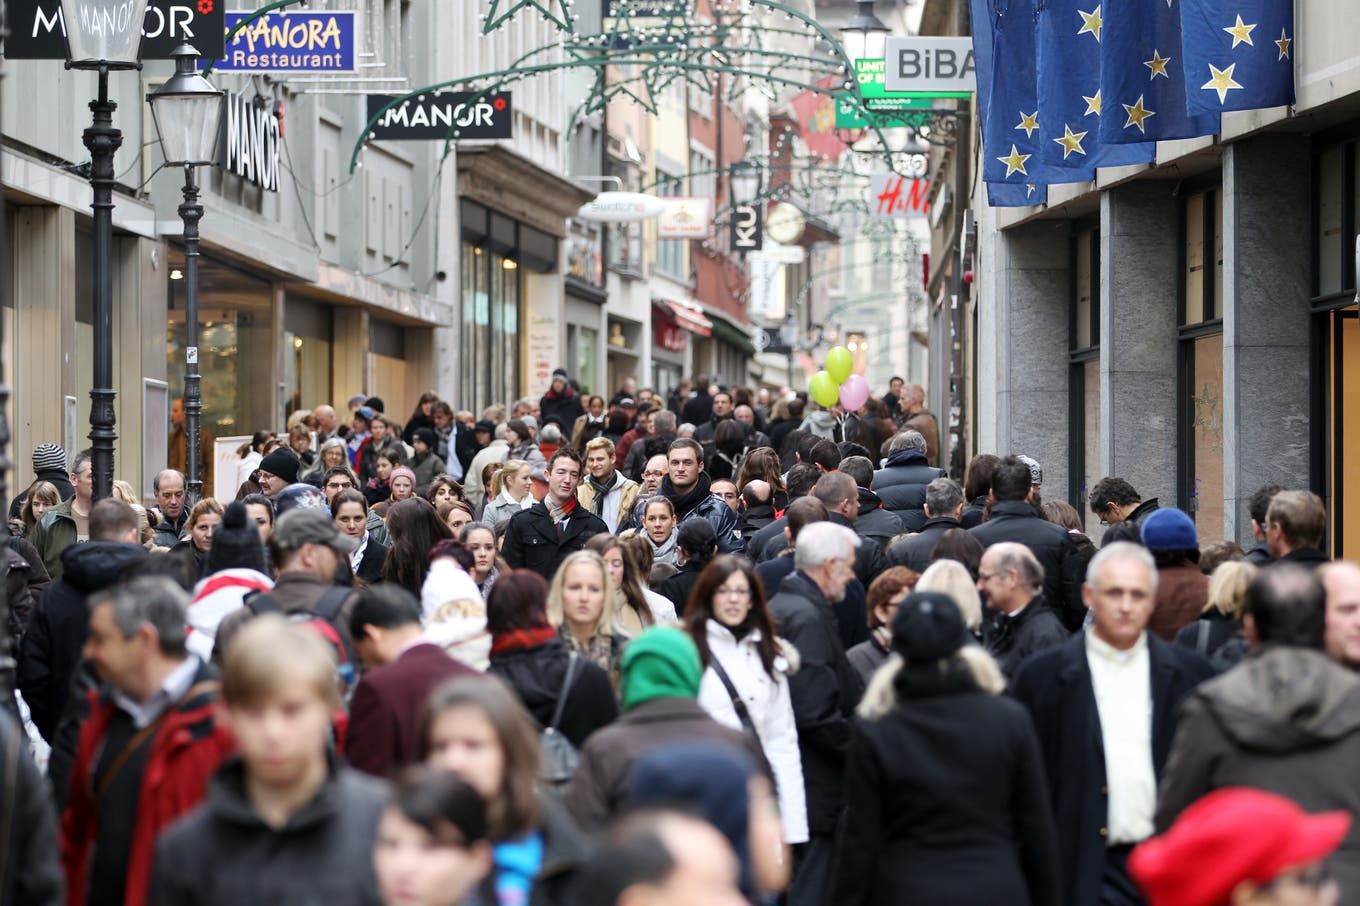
824,389
839,364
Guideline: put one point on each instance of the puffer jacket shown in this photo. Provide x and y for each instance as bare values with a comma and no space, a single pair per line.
216,596
901,485
770,707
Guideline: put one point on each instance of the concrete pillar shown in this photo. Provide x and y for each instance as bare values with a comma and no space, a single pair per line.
139,324
1139,277
1266,320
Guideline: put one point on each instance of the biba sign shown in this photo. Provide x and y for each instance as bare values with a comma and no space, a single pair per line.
444,114
251,144
37,30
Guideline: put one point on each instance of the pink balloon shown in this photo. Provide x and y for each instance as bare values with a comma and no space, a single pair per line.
854,392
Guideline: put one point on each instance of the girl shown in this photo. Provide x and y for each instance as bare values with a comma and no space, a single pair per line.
402,482
633,611
457,515
378,488
658,521
508,492
485,568
441,489
580,605
41,498
432,848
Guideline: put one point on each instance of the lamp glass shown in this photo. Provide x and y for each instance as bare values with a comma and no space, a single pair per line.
188,126
103,32
745,179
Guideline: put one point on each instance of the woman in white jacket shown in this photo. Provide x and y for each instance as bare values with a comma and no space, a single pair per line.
731,626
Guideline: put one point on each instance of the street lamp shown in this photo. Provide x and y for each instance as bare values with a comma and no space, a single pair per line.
103,36
187,111
743,182
865,35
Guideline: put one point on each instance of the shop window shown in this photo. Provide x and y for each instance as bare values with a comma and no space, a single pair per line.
1084,367
387,355
1200,372
490,361
307,344
670,253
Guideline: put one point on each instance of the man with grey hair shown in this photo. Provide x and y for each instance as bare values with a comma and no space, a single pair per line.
1105,705
149,745
944,510
1011,582
902,481
824,691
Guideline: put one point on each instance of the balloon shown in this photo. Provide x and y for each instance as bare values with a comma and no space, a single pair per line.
839,364
823,389
854,392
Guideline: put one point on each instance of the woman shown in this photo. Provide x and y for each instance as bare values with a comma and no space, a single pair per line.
949,577
300,442
350,513
456,514
250,454
632,611
261,512
401,483
960,546
482,542
477,730
425,463
508,492
977,485
695,545
421,417
590,425
1060,512
1217,634
415,528
330,456
453,610
637,548
745,684
782,421
522,446
658,524
198,533
763,463
580,605
360,436
529,655
936,811
443,488
236,568
379,441
729,450
42,496
431,847
888,590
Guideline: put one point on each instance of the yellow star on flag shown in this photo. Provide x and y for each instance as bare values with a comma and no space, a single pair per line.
1241,32
1091,22
1092,103
1137,114
1029,122
1283,44
1015,162
1071,141
1157,64
1221,80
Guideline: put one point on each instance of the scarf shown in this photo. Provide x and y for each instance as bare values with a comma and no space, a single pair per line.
685,503
602,490
522,638
558,513
600,650
665,552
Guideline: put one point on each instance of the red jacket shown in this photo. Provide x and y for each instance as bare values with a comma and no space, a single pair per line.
185,753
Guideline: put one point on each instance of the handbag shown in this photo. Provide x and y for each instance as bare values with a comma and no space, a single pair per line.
557,756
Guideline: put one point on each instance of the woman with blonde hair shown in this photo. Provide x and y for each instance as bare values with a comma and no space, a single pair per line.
633,610
581,607
1217,634
953,579
508,492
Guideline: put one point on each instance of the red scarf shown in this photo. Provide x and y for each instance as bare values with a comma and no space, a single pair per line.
522,638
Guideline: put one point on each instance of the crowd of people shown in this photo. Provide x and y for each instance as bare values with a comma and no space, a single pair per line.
715,648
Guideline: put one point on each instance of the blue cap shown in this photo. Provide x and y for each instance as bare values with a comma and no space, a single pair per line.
1169,529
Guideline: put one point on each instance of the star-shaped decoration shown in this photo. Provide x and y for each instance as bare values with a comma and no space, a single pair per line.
1157,64
1029,122
1137,114
1241,32
1092,103
563,19
1283,44
1222,81
1091,22
1071,141
1015,162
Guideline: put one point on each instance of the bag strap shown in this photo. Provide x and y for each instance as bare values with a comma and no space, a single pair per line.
1202,638
739,704
328,606
150,729
572,659
258,602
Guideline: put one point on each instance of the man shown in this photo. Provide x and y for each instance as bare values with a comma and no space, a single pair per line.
838,493
944,511
801,513
1114,500
824,692
1011,582
1341,579
916,417
401,669
49,654
456,443
747,416
1257,508
1295,524
277,471
628,390
541,537
1104,706
168,486
872,520
561,400
657,440
770,541
892,400
68,522
1286,719
653,475
605,492
148,747
726,490
697,407
1015,519
690,492
49,464
901,483
497,449
825,455
1182,589
326,424
661,858
757,506
642,427
178,455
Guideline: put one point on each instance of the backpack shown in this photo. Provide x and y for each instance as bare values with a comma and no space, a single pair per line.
323,619
557,756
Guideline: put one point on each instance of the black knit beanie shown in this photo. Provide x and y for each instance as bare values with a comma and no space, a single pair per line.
236,543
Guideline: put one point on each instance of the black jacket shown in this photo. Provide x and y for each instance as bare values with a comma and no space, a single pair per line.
876,521
824,692
537,675
531,539
30,871
755,518
1015,520
901,484
1307,557
1013,639
1259,555
677,587
50,651
914,552
224,854
972,514
1055,685
371,563
853,609
464,446
167,533
758,544
566,407
1144,509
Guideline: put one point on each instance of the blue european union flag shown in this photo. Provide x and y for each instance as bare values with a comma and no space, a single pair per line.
1070,100
1006,195
1239,54
1142,75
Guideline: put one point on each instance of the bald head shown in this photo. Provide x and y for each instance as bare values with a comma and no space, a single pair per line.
1341,581
325,418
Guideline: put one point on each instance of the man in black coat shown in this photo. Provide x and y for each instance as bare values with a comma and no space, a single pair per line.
944,509
839,494
687,487
1295,524
1015,519
1021,623
901,483
872,518
542,536
562,401
1105,705
723,408
824,692
1114,500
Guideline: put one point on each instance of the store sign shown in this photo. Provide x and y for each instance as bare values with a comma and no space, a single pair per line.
765,288
894,195
293,42
38,32
666,334
686,218
746,227
930,64
251,143
442,115
886,109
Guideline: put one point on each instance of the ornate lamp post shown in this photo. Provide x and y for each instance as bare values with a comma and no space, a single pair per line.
187,111
865,35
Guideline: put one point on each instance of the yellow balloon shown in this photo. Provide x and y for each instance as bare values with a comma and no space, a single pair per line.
839,364
824,389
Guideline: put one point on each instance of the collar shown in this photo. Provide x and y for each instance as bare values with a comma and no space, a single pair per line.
357,555
1099,649
174,687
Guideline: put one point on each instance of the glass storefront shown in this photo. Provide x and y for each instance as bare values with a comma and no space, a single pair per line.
1200,374
308,339
489,366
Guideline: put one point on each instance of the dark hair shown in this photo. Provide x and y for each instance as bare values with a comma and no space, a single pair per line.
1122,531
633,583
440,481
729,437
626,861
834,488
848,448
1300,516
1060,512
518,600
261,500
1011,480
394,453
803,512
348,495
699,609
761,463
802,479
959,544
441,407
687,443
455,550
806,443
977,481
1215,554
697,539
1260,503
1168,559
1288,605
384,605
255,444
415,527
824,453
441,804
111,517
338,470
1111,490
859,468
885,585
429,396
566,452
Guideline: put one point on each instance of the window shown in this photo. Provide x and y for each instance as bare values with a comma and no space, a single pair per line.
703,179
490,362
1084,369
1200,371
670,253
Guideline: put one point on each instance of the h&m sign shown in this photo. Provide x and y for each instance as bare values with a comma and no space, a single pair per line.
38,32
443,114
251,143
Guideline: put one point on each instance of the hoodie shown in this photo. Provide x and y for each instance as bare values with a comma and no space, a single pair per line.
820,423
873,521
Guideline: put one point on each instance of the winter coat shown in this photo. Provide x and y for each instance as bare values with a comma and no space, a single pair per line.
923,422
757,546
779,430
50,650
496,451
1286,720
30,867
901,485
704,505
427,467
294,592
224,854
914,552
623,489
532,542
972,514
565,407
938,813
823,691
536,674
1217,638
1012,639
371,563
501,508
584,430
18,594
867,657
167,533
677,587
1016,520
755,518
216,596
1259,555
821,423
54,533
874,521
1182,593
771,710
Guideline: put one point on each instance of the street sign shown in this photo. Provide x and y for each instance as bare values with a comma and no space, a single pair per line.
443,114
888,109
300,41
621,207
37,31
930,64
685,218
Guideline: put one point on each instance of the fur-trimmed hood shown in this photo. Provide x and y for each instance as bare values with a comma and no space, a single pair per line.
882,696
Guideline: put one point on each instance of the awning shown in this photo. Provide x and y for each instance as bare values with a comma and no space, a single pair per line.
689,317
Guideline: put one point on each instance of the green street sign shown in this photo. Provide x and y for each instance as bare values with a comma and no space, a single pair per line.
887,109
871,75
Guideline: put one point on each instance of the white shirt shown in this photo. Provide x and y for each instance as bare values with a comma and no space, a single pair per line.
1122,683
174,687
356,556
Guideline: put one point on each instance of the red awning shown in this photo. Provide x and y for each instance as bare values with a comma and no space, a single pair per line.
692,319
